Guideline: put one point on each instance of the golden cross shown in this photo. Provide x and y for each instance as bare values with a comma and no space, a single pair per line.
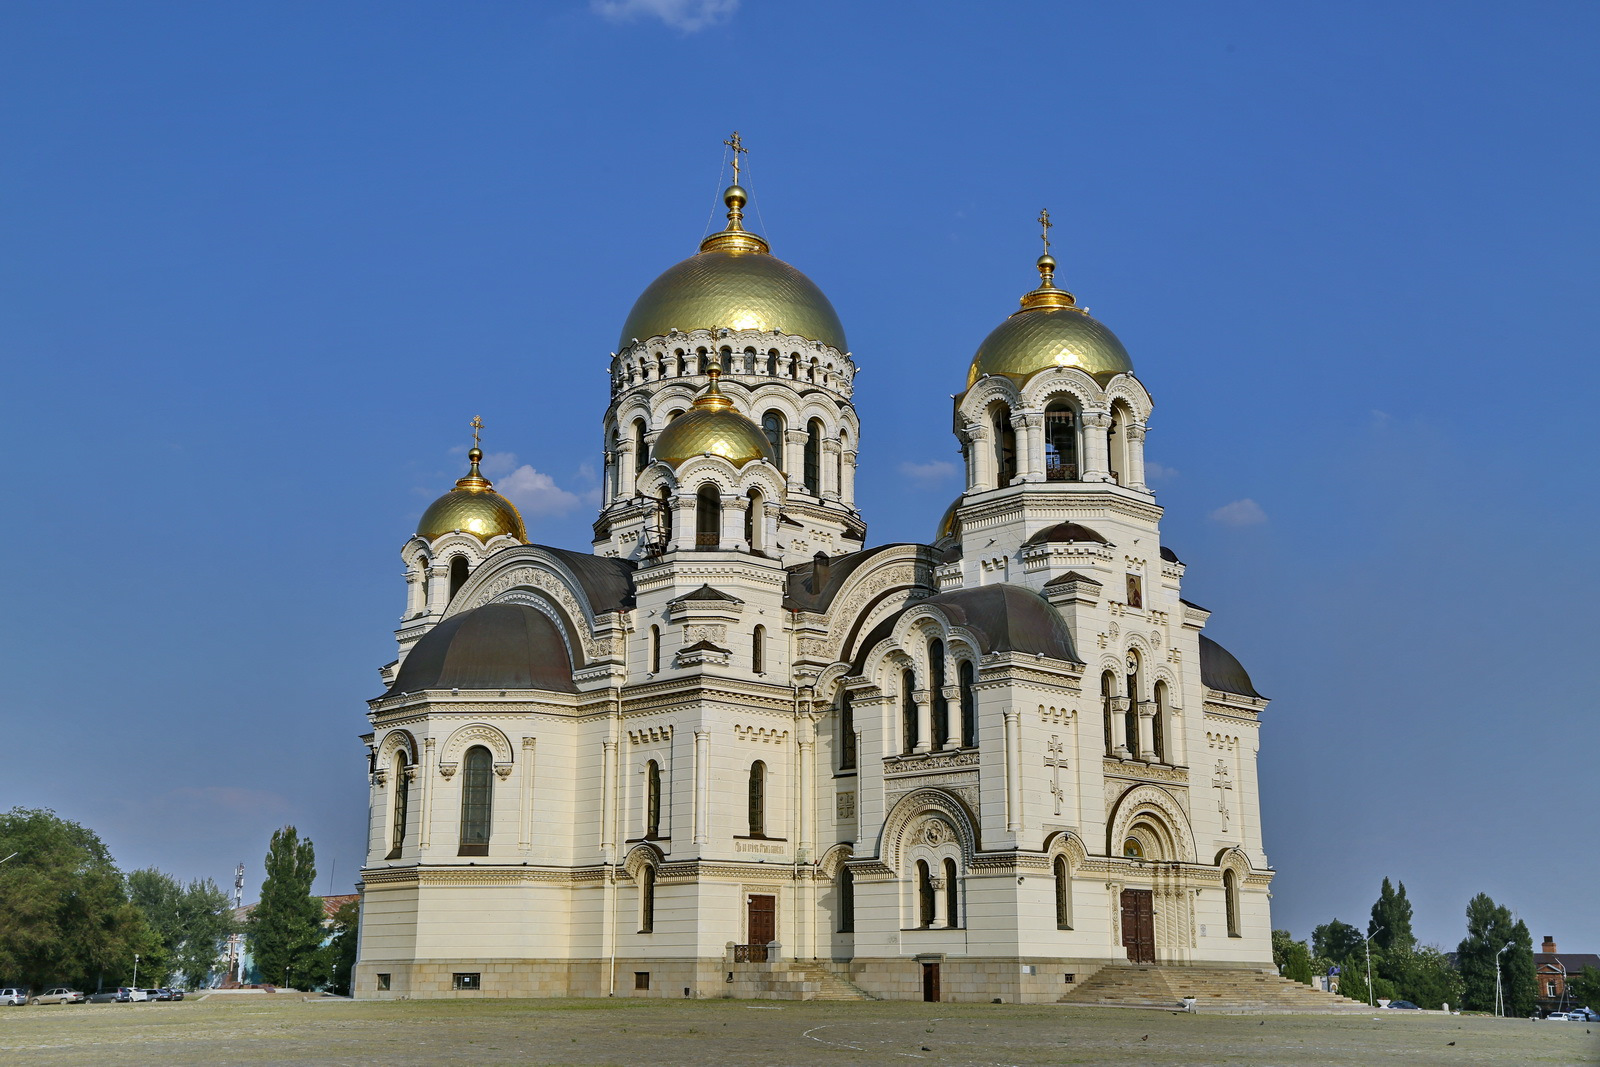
1044,221
477,424
739,149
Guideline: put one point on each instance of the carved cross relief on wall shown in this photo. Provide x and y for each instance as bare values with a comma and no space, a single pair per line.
1222,783
1055,761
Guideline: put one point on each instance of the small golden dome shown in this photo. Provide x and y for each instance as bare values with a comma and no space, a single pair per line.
733,283
473,507
1051,330
947,524
712,425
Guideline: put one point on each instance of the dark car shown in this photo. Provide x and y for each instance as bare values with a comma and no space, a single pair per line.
1404,1005
105,996
169,994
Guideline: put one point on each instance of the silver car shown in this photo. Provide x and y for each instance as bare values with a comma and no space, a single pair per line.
9,997
59,995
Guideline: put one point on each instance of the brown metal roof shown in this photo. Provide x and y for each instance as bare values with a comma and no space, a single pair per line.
497,646
1221,670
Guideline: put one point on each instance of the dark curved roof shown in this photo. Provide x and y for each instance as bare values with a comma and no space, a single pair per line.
799,595
1221,670
1169,555
1065,531
606,581
497,646
1005,618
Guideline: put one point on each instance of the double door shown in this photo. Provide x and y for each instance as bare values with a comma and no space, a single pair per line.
1139,925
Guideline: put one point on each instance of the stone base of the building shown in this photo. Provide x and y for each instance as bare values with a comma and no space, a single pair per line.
966,979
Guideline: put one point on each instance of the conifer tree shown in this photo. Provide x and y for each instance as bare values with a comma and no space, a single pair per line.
1490,928
286,927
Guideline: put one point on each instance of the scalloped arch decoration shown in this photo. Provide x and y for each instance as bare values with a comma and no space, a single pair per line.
478,733
1150,802
396,741
893,842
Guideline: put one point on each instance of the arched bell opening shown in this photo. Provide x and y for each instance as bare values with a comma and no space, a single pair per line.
707,517
1061,442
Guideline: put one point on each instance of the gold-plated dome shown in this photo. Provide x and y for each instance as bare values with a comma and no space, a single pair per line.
713,425
947,524
733,283
473,507
1051,330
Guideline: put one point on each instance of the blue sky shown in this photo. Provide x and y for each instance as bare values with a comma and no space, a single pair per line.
261,263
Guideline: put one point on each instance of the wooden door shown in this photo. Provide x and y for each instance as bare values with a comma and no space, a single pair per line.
763,916
1139,925
930,982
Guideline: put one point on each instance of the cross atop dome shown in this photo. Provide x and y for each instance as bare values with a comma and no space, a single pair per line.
737,144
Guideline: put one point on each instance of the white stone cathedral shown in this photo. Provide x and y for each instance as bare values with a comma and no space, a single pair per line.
734,751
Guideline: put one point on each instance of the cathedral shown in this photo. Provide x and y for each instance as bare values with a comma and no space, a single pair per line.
734,751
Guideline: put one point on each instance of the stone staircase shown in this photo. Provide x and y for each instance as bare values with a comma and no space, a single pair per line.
830,984
1215,989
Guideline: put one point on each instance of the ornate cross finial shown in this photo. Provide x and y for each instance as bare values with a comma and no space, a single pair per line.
1045,224
477,425
737,144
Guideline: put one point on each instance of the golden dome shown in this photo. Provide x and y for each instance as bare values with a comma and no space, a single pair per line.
947,524
712,425
736,284
1051,330
473,507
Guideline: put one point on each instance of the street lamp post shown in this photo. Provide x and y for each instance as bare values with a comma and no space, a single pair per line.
136,970
1371,1001
1499,1000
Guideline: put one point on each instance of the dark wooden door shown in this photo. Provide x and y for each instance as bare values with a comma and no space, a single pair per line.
930,982
1139,925
763,919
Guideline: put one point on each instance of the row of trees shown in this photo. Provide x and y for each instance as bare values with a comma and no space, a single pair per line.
68,916
1402,969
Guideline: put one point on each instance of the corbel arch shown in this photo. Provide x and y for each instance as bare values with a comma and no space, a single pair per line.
835,858
397,741
641,856
931,811
985,394
1061,383
478,733
1149,806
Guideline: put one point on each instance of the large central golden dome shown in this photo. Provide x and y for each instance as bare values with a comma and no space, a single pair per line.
736,284
1050,331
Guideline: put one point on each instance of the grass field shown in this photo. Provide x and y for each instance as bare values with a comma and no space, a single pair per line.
287,1029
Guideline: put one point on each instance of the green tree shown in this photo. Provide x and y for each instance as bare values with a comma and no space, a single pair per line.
66,917
1336,941
285,929
191,921
1353,977
1490,928
341,951
1585,988
1390,925
1425,977
1292,957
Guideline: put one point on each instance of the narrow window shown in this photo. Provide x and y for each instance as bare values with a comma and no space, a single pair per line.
402,797
772,426
641,449
941,706
758,650
641,979
1230,894
707,517
772,363
758,799
647,901
655,650
1132,717
477,802
383,981
969,706
1063,893
952,899
1108,692
1005,449
924,895
1060,442
908,712
458,574
813,457
846,888
847,732
652,803
1158,725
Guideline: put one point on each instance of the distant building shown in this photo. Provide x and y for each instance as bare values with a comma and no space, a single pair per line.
1554,968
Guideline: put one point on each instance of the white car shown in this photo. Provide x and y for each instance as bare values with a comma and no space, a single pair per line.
13,996
59,995
1583,1015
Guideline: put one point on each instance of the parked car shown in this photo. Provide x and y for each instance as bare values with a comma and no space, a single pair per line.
168,994
105,996
177,994
1584,1015
1405,1005
13,995
152,994
128,995
1556,1016
59,995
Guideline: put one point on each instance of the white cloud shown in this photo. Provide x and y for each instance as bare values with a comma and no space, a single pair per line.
1244,512
536,493
685,15
1159,473
498,464
928,473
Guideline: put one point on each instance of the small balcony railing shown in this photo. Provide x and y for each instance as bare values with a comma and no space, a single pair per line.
751,954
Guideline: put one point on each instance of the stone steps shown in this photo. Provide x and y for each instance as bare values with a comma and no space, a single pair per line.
832,986
1213,988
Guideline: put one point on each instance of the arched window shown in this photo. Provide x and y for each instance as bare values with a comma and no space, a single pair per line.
847,732
655,650
845,886
908,712
477,801
1132,717
952,899
941,706
813,456
924,895
1230,896
969,705
674,413
707,517
1005,448
1063,875
681,365
772,362
1158,725
758,799
1133,848
647,900
758,650
1060,442
402,799
641,448
652,800
1117,441
458,574
755,521
1108,692
772,426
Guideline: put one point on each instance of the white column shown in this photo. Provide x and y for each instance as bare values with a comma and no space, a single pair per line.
1096,455
1013,770
626,475
923,700
980,457
425,831
414,601
805,761
952,716
1119,727
1136,455
941,900
1029,429
438,589
1147,734
732,524
680,523
847,491
830,469
525,837
1177,737
702,786
608,806
794,464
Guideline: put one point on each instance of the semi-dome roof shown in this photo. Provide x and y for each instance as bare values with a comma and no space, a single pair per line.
737,284
1003,616
712,425
1050,331
497,646
473,507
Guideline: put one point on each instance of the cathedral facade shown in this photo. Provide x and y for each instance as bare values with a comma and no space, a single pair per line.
732,750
